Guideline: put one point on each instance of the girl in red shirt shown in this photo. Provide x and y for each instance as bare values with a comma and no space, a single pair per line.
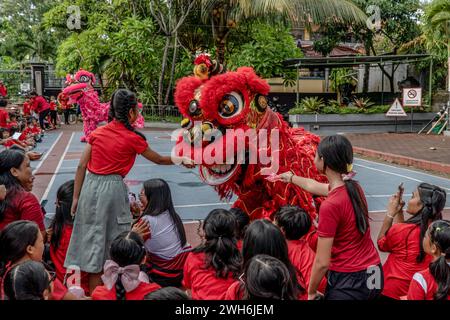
242,222
344,246
214,265
122,276
22,241
263,237
28,281
295,223
433,283
404,239
100,201
20,203
267,278
60,231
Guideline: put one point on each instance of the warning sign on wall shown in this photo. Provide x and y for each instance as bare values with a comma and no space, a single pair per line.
412,97
396,110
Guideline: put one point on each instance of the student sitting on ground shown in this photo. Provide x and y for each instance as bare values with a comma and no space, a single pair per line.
263,237
167,293
13,121
295,223
214,265
242,222
60,232
267,278
404,239
433,283
122,276
28,281
167,248
22,241
8,141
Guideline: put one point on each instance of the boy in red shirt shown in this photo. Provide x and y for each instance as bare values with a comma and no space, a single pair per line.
432,283
40,106
53,112
12,121
3,89
26,109
295,223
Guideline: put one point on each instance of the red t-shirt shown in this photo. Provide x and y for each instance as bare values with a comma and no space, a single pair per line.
36,130
39,104
52,105
26,109
423,286
202,281
4,116
10,142
59,255
28,132
3,90
302,258
24,206
102,293
351,251
114,149
403,242
59,290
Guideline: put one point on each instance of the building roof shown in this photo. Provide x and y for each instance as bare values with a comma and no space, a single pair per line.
351,61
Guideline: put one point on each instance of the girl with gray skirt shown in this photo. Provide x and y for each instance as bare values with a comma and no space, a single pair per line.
100,206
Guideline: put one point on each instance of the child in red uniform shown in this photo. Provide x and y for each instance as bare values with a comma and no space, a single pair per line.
242,222
22,241
13,121
53,112
61,230
122,277
404,239
3,90
40,106
20,203
433,283
4,116
295,223
100,201
344,246
28,281
263,237
267,278
214,265
26,109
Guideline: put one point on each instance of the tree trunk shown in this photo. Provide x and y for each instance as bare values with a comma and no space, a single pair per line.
163,71
172,71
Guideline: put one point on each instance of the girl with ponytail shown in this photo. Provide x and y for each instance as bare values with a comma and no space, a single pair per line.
100,199
433,283
122,275
404,239
343,226
213,266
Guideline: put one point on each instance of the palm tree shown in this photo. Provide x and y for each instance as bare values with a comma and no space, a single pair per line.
225,14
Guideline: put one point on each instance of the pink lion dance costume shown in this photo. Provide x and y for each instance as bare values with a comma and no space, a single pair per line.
80,90
213,101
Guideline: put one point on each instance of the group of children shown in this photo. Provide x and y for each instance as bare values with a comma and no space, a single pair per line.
102,247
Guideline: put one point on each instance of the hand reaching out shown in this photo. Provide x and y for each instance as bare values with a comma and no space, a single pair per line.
142,227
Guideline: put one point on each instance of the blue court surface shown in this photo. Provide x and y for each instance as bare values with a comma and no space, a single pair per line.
194,200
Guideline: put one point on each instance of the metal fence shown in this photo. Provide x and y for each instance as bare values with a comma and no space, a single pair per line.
17,82
161,113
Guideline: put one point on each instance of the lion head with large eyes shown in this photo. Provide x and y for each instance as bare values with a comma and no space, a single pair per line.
212,103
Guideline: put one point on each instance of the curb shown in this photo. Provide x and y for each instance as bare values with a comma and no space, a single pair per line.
403,160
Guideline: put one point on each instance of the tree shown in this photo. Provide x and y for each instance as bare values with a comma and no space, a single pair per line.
224,15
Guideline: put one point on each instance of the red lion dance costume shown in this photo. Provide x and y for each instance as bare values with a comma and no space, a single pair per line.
218,101
80,90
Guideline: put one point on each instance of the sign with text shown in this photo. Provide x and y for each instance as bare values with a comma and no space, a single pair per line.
396,110
412,97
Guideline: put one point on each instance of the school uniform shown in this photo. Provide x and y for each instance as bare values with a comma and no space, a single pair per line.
352,253
53,112
423,286
202,281
26,109
42,107
402,241
58,255
24,206
103,210
3,91
302,258
4,116
102,293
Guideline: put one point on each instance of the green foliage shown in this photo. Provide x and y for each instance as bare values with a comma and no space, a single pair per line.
269,46
308,105
341,76
363,103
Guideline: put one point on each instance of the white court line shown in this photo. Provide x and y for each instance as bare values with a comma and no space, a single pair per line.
57,168
47,153
204,205
400,167
395,174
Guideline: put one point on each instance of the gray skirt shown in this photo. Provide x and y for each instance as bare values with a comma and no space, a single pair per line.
103,213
